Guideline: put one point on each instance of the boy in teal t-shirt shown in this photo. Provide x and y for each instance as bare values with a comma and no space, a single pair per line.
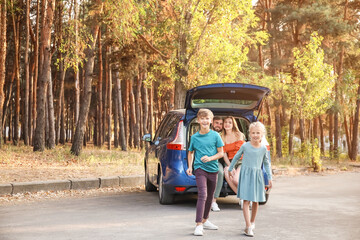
208,147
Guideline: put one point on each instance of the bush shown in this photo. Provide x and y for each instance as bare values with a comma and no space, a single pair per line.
311,152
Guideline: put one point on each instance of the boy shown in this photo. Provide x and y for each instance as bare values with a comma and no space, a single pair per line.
208,148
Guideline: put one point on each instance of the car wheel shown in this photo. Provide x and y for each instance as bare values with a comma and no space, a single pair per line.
164,197
149,187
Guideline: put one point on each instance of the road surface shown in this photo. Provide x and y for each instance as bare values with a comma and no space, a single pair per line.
300,207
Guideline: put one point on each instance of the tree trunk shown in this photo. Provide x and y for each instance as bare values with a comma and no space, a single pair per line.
8,97
77,78
291,134
145,103
60,116
36,66
31,97
105,99
3,12
180,95
51,141
336,134
278,134
331,134
109,73
16,29
67,122
101,113
137,98
132,114
355,134
122,133
27,75
316,130
347,135
44,76
115,116
322,141
84,109
302,130
126,111
151,109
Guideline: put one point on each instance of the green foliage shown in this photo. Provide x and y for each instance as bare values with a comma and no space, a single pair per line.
285,141
122,20
217,35
310,90
225,45
312,154
73,53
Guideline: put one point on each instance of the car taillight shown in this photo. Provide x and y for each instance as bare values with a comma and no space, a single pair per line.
180,189
174,146
178,143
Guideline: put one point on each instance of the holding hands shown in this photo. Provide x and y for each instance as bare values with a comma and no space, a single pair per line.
231,173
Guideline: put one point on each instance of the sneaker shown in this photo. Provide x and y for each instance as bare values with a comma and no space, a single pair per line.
209,225
199,230
249,232
253,226
215,207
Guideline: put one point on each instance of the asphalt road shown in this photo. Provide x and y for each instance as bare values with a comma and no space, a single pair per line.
301,207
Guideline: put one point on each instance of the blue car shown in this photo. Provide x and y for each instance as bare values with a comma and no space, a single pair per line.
166,156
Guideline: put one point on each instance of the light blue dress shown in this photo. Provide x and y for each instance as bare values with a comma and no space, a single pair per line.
251,180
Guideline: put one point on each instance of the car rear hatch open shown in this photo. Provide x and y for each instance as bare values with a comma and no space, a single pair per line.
236,99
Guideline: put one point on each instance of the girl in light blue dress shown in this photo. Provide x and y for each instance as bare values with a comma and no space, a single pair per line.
251,187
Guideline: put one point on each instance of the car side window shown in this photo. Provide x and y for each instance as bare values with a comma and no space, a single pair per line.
193,128
243,127
167,126
170,126
161,127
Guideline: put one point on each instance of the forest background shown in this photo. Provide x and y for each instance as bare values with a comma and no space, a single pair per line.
106,71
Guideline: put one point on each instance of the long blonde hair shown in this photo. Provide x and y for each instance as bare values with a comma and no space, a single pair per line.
239,135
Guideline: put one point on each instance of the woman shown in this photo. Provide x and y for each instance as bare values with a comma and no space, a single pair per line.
233,138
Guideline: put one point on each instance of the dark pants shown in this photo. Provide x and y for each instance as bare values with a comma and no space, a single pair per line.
206,183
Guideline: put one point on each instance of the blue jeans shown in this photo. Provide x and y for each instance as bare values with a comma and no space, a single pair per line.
206,183
220,181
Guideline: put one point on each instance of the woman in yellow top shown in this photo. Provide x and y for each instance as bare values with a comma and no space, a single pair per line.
233,139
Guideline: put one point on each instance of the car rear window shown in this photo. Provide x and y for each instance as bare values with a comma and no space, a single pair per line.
223,103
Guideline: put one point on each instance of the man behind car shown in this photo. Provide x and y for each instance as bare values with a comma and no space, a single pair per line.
218,127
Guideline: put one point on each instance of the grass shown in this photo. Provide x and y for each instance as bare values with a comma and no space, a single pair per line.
342,163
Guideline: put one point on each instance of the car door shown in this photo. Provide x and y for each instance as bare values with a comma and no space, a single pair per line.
155,150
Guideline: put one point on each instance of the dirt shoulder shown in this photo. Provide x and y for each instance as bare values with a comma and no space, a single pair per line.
21,164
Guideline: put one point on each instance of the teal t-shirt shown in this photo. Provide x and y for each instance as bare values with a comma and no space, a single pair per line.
205,144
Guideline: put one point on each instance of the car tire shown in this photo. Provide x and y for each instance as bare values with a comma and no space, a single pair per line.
149,187
164,197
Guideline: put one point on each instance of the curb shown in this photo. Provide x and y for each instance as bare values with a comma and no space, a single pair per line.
71,184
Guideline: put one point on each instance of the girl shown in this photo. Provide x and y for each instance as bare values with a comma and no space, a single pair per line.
233,140
251,181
